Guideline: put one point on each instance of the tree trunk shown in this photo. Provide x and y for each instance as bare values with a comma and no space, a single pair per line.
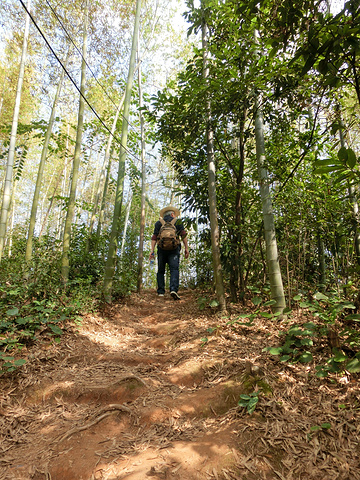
11,155
111,258
35,203
65,264
103,199
272,260
218,276
352,195
127,214
143,191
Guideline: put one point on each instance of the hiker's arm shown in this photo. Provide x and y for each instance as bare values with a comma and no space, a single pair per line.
185,242
153,244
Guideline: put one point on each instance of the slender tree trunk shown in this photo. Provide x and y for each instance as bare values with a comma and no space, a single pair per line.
12,218
65,264
11,155
35,203
272,259
103,200
143,191
218,276
352,195
111,259
126,221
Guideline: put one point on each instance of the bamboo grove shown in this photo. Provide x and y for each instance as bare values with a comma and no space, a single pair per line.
253,135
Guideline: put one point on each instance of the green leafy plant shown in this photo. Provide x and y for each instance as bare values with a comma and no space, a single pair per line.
300,338
318,428
297,340
249,401
8,363
257,301
204,302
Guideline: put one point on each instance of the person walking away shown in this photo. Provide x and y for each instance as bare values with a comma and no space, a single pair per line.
168,233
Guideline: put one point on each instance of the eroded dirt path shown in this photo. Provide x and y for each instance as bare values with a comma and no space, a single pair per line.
137,393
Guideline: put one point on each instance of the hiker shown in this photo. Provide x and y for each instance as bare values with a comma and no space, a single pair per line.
168,233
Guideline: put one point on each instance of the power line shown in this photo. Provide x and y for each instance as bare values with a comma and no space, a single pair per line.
81,55
74,83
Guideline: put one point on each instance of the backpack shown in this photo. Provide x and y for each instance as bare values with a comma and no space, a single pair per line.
168,238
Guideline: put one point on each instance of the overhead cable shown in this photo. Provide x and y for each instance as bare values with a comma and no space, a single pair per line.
81,55
74,83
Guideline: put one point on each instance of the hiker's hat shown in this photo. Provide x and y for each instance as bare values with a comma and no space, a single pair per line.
170,208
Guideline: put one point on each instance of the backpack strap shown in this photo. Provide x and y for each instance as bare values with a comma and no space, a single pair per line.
173,221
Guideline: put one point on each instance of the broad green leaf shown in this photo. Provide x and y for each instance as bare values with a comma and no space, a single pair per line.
285,358
353,366
276,350
57,330
305,357
214,303
243,396
256,300
340,357
326,425
326,162
297,298
343,154
12,312
320,296
22,321
19,362
269,302
351,159
353,316
329,169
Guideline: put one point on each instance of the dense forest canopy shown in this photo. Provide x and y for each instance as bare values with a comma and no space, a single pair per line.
249,123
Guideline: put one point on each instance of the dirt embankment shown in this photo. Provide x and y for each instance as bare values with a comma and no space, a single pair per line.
149,389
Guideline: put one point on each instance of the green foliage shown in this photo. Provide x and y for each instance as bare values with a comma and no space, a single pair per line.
324,427
87,253
249,401
344,166
33,303
300,338
204,302
297,341
260,304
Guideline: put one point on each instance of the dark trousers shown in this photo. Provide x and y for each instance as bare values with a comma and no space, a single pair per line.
172,258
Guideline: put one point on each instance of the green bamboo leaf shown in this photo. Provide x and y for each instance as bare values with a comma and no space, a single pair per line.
328,169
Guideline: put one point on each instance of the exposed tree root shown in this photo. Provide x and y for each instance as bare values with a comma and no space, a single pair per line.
106,412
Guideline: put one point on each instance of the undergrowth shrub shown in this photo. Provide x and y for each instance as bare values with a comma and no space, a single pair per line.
33,301
333,326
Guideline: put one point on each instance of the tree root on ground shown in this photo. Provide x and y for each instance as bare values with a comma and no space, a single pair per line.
105,412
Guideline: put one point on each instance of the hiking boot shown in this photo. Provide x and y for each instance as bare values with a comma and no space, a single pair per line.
175,295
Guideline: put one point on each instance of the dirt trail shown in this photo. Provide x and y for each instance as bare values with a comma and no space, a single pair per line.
145,390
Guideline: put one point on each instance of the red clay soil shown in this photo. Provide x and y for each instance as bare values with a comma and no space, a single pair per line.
149,389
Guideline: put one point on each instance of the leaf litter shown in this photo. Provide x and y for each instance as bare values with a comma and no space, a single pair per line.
141,390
